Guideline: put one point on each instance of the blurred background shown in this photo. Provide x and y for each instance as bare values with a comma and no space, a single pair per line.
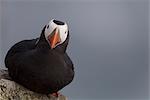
108,44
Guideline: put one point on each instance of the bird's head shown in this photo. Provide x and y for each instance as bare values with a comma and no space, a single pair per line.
56,32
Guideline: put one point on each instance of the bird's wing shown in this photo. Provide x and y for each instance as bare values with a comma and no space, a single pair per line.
20,47
68,61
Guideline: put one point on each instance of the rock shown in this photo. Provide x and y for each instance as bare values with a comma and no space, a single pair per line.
10,90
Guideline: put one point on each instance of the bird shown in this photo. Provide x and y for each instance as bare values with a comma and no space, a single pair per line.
42,64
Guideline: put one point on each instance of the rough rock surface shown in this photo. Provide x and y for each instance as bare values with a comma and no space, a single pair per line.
9,90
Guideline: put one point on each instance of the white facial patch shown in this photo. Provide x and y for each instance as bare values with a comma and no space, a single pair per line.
62,29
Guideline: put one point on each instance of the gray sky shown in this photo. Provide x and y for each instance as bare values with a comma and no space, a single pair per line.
108,45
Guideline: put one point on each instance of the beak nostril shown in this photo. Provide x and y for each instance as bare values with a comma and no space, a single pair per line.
58,22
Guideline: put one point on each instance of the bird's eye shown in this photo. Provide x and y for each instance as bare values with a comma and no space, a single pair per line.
47,26
65,32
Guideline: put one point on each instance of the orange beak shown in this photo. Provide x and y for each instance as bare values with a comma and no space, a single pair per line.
54,38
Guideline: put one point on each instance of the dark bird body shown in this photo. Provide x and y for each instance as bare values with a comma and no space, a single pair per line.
33,64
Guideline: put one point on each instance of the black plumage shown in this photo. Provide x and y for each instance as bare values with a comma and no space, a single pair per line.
33,64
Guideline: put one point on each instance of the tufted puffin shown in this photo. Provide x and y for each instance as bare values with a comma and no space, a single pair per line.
42,65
